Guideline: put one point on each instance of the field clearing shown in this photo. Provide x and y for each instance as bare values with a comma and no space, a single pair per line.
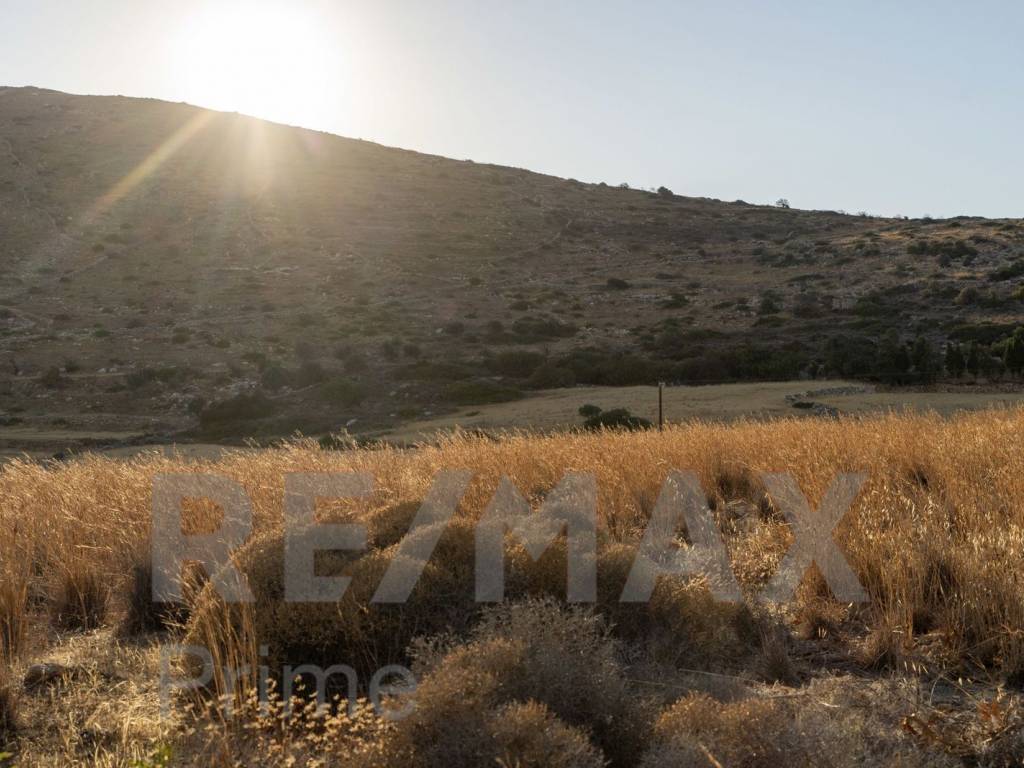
558,409
929,671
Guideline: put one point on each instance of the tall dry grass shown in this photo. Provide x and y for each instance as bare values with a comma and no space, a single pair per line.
936,536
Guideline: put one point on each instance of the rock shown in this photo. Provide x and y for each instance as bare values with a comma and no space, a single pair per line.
39,675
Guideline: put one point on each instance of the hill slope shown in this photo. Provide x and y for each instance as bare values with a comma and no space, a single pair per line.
156,258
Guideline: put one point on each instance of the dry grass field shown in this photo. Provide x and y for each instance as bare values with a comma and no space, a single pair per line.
928,672
559,408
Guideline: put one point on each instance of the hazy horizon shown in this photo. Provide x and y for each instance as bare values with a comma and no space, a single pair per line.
907,111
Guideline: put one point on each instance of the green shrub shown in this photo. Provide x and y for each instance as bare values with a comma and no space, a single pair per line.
343,392
147,375
616,418
613,369
238,409
480,392
616,284
675,300
518,363
533,329
431,370
551,376
1008,272
954,249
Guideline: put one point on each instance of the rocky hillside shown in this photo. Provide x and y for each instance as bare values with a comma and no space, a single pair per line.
166,268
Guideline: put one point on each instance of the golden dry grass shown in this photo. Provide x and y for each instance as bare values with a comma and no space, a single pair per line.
936,536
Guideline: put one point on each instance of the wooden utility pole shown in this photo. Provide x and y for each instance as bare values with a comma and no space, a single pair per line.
661,410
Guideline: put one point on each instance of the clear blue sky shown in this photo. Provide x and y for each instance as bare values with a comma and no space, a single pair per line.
893,108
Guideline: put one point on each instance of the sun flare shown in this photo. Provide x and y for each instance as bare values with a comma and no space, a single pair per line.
268,59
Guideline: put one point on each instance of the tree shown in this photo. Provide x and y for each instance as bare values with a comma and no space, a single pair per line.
850,356
892,362
782,202
923,358
973,362
956,363
1013,357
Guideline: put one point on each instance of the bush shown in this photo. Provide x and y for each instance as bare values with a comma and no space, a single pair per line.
52,378
617,418
238,409
769,305
518,363
429,370
343,392
681,623
534,329
825,726
675,300
616,284
530,735
309,373
143,376
142,613
531,662
588,410
551,376
967,296
479,392
613,369
1010,271
13,613
80,595
8,708
275,377
848,356
951,249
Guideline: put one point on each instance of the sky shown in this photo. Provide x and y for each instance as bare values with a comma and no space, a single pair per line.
909,108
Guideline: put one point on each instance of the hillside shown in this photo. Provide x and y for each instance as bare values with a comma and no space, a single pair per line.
166,268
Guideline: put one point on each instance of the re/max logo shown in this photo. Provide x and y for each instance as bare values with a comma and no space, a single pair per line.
569,510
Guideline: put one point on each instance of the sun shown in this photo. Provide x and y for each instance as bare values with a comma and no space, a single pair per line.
267,59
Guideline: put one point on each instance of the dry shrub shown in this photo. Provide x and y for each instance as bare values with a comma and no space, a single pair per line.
265,735
79,596
1005,751
13,615
681,623
884,647
732,482
352,631
821,725
8,708
535,651
389,525
776,664
817,614
529,735
142,614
